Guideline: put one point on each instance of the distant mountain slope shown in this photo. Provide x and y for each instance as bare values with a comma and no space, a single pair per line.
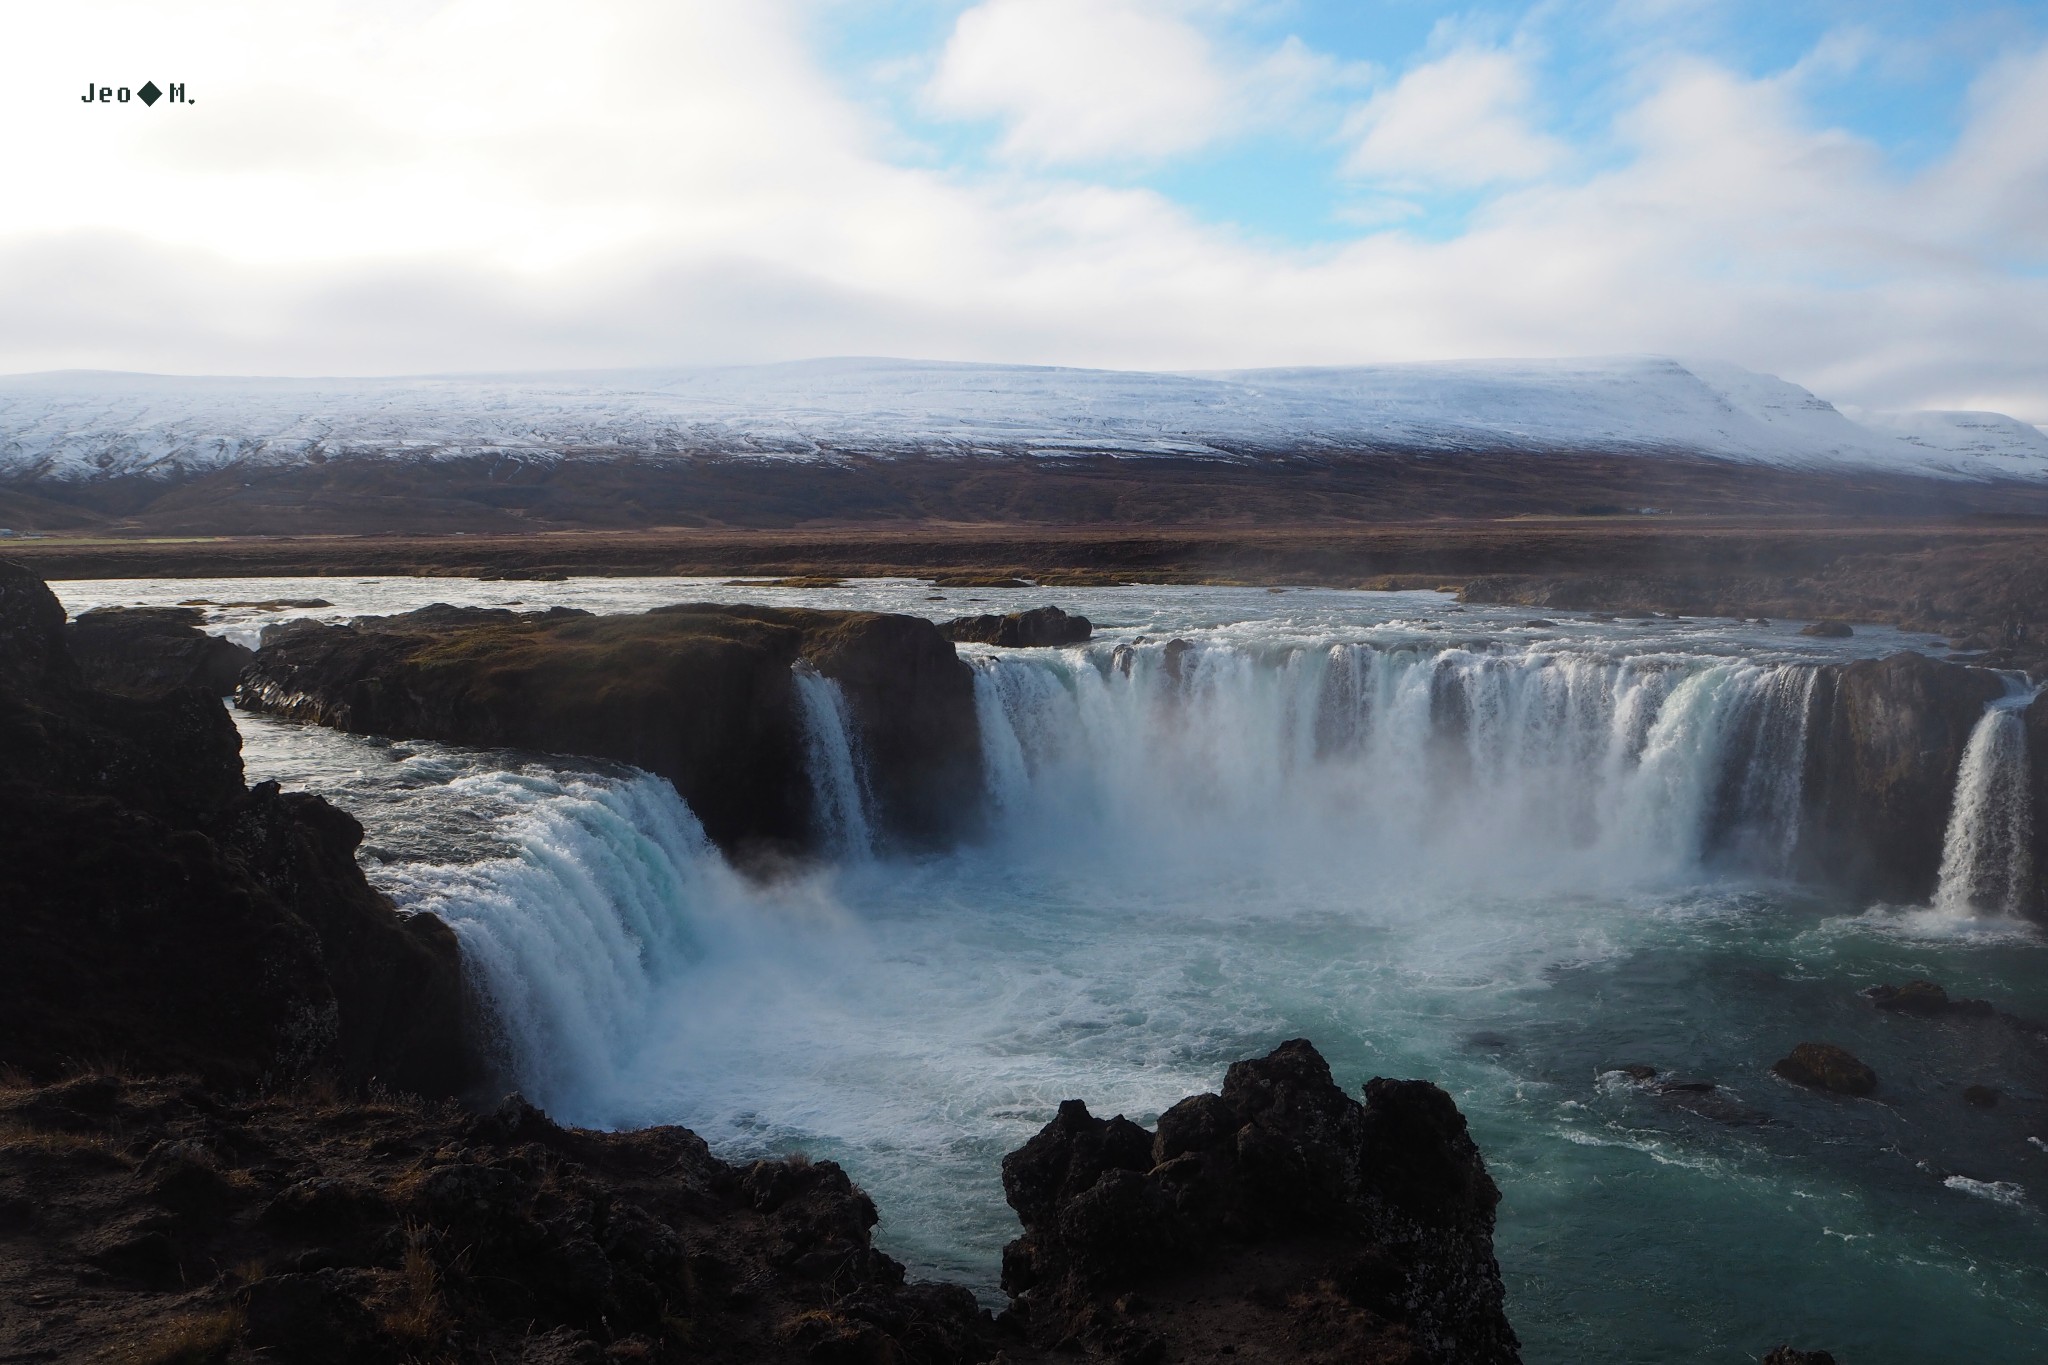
89,426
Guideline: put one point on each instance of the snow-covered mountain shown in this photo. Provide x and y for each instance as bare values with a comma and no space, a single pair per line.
91,425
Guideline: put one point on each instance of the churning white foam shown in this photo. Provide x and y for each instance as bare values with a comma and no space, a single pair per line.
579,936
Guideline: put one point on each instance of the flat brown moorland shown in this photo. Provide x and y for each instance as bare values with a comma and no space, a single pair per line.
1975,576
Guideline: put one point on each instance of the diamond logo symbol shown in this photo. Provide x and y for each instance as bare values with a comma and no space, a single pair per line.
150,94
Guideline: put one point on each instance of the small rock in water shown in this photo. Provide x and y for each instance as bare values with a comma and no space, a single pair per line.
1790,1355
1824,1066
1982,1096
1923,998
1039,628
1828,630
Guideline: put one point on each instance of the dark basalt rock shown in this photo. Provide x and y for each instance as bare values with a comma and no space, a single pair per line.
147,651
1828,630
1824,1066
703,695
1885,742
1279,1220
1788,1355
158,912
1981,1096
1925,998
1174,659
391,1230
1703,1098
1038,628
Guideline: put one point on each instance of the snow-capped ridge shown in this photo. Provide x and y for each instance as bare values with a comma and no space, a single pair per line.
92,425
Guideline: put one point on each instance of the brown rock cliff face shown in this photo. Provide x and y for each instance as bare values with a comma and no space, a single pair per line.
156,913
703,695
1885,741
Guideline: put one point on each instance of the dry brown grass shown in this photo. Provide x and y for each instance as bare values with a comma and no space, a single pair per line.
420,1316
56,1145
192,1339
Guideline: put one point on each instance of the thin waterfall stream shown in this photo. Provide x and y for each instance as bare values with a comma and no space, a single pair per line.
1987,860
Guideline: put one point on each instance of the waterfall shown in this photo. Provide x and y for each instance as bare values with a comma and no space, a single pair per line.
611,889
839,795
1530,762
1987,856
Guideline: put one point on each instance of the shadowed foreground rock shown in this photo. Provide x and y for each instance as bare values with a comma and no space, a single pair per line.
156,912
706,696
147,651
1278,1221
299,1227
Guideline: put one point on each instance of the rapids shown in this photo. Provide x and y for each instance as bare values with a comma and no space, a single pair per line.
1440,841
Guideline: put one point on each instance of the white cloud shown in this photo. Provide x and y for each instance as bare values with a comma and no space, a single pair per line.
487,185
1459,121
1078,81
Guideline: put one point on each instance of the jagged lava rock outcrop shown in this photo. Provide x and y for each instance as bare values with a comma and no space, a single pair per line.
1038,628
293,1227
1885,742
156,912
1278,1221
146,651
704,695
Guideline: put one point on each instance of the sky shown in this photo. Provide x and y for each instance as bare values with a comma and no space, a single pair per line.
1853,196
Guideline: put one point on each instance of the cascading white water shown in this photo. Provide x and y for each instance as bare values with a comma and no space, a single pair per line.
839,795
610,890
1987,855
1537,763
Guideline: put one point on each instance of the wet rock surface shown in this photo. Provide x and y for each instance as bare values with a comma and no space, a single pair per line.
159,912
703,695
1791,1355
1926,999
1707,1099
1281,1220
1825,1066
146,651
1885,741
1041,627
